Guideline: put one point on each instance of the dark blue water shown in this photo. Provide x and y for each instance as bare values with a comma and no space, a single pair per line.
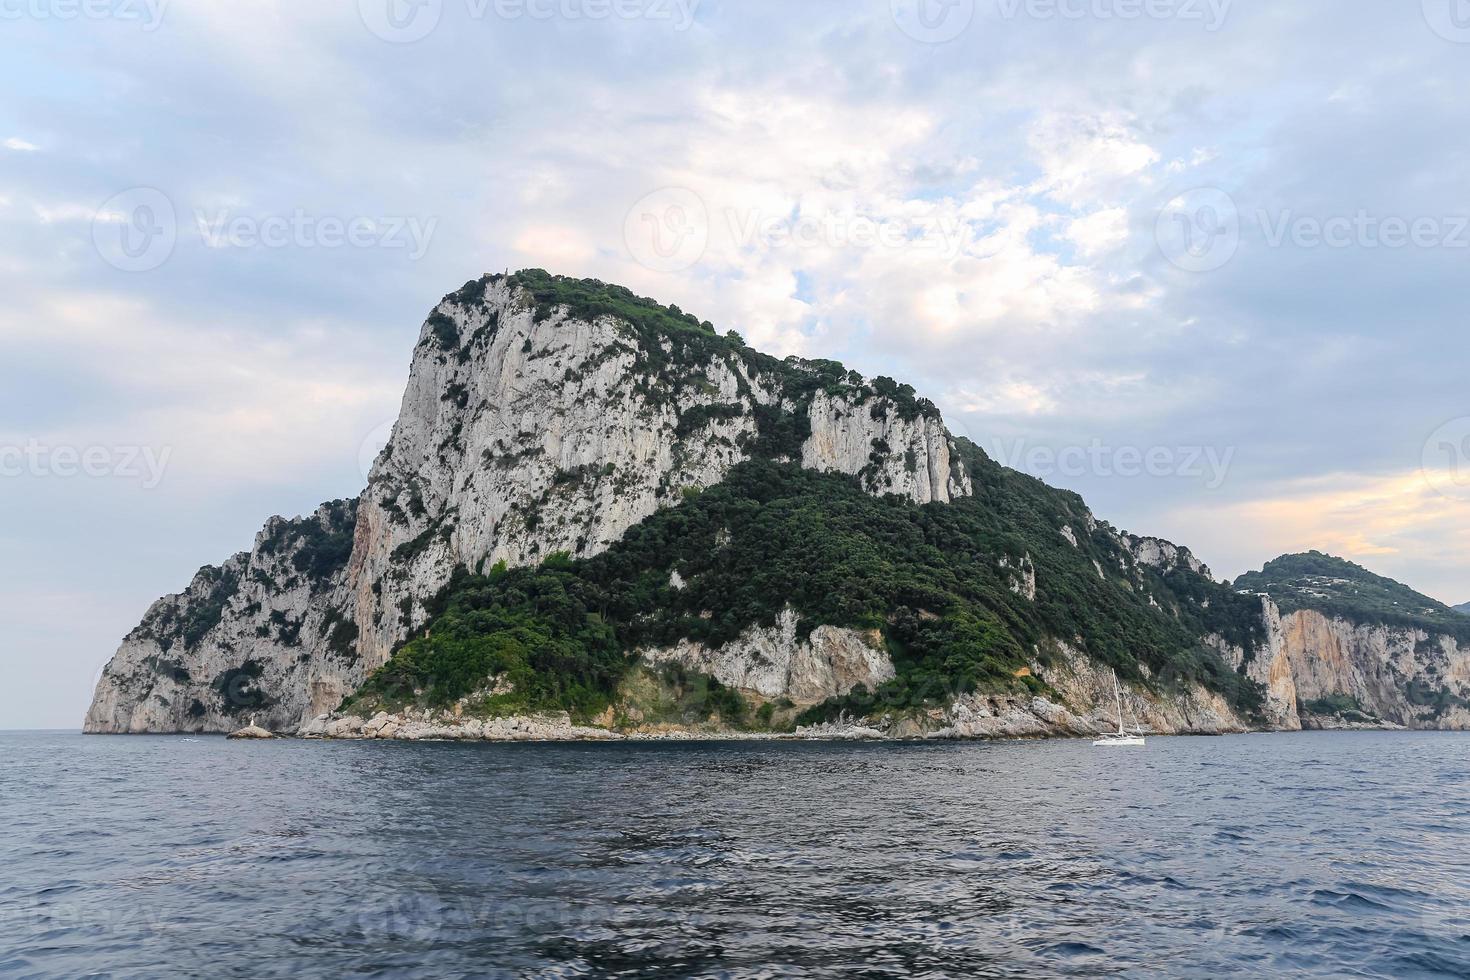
1312,854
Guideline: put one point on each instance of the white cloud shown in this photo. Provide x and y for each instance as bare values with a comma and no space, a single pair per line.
20,145
68,212
1390,522
553,246
1006,398
231,406
1088,159
1100,232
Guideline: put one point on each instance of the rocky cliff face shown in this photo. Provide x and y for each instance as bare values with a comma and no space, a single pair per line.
1363,649
1164,555
774,662
265,636
1404,676
1269,666
540,418
1084,706
1319,670
526,431
527,428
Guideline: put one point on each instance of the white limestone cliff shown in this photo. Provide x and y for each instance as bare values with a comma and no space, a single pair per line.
529,430
1270,667
1399,675
261,635
522,432
774,662
1164,555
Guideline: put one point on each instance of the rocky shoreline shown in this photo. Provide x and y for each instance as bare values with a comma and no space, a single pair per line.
978,717
1080,705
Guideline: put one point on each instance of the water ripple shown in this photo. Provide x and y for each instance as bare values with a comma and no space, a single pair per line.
1302,855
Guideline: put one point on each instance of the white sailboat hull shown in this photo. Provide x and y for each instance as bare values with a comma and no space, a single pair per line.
1121,737
1120,740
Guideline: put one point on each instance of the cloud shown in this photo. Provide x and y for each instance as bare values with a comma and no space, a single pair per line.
1396,523
1100,232
553,246
226,405
1006,398
50,214
1086,159
976,218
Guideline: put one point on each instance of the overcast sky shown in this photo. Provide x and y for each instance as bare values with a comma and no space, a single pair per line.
1204,262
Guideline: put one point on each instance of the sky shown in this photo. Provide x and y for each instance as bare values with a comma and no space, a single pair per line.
1203,261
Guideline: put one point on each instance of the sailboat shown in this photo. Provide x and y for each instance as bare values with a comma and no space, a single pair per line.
1121,737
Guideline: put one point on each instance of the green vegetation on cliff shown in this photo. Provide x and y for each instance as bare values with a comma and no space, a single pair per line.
323,541
943,583
1337,587
1340,705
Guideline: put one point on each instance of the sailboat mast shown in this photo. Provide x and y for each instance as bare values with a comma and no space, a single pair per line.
1118,694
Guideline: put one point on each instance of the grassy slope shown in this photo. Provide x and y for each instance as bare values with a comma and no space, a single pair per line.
928,577
1339,587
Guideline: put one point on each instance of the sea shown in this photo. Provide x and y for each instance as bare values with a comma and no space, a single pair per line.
1310,855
